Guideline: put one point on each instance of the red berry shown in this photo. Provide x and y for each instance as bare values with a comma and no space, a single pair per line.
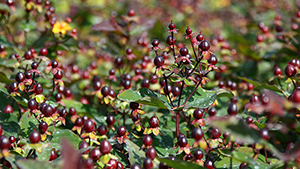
159,61
232,109
95,154
197,133
4,142
171,26
38,88
198,154
8,109
290,70
121,131
53,155
188,31
28,55
83,145
110,120
212,59
198,114
72,111
44,51
155,42
102,130
204,45
148,164
147,140
182,141
184,51
215,133
131,12
153,122
200,37
105,147
209,164
151,153
43,126
175,90
264,134
105,91
20,77
89,126
35,137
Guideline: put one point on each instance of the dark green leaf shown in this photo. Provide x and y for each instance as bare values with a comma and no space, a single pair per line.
27,124
60,134
136,155
9,122
4,79
178,164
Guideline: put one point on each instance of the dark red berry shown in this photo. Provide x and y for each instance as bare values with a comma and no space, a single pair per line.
153,122
212,111
28,75
215,133
95,154
200,37
171,26
112,164
112,72
204,45
118,62
89,126
58,97
145,83
72,111
264,134
20,77
209,164
11,139
105,147
110,120
260,38
249,120
34,65
97,85
53,155
84,145
43,126
79,122
102,130
188,31
182,141
48,111
198,114
1,130
8,109
155,42
254,99
38,88
232,109
120,165
35,137
151,153
198,154
28,55
59,74
126,84
32,104
147,140
184,51
159,61
148,164
167,89
131,12
4,142
44,51
129,51
153,79
175,90
213,59
290,70
13,87
197,133
105,91
121,131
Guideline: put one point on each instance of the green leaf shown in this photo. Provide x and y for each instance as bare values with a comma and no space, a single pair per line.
27,124
5,8
30,164
178,164
60,134
11,63
135,154
81,109
224,93
4,79
145,96
9,123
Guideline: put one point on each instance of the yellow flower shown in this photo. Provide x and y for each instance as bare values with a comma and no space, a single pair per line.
61,27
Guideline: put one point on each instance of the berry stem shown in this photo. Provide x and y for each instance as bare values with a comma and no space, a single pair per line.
173,49
193,92
193,49
177,123
295,85
165,78
181,89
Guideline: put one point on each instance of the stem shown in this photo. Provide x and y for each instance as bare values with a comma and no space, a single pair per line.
173,49
177,124
54,88
194,50
193,91
181,89
205,138
295,86
165,78
231,149
266,157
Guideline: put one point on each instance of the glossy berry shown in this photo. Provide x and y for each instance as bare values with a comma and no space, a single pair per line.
48,111
147,140
34,65
153,122
58,97
131,12
32,104
171,26
102,130
126,84
118,62
44,51
254,99
8,109
188,31
13,87
72,111
28,55
184,51
110,120
171,40
121,131
97,85
215,133
198,114
159,61
89,126
88,163
148,164
232,109
264,134
38,88
182,141
290,70
105,91
167,89
105,147
4,142
11,139
58,74
135,166
79,122
212,59
209,164
197,133
28,75
212,111
20,77
249,120
155,42
260,38
151,153
200,37
35,137
95,154
204,45
112,72
120,165
53,155
43,126
145,83
83,145
175,90
153,79
63,112
198,154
